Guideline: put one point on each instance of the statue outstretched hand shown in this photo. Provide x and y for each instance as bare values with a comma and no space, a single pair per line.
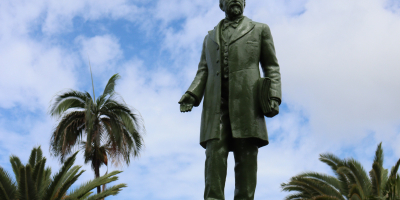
187,102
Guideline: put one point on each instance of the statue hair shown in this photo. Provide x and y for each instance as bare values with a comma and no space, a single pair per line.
220,3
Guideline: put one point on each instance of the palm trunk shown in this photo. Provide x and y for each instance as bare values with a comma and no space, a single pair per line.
96,156
97,173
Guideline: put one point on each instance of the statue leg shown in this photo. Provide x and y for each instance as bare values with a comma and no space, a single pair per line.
217,151
245,152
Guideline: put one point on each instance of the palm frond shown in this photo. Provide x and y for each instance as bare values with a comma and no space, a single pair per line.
37,174
115,137
129,120
123,135
90,124
355,197
32,157
358,176
356,192
349,174
390,186
297,196
47,173
103,99
39,177
16,164
324,197
377,172
85,188
39,154
26,185
376,177
295,187
333,161
300,187
114,190
330,181
67,134
67,100
67,184
8,188
116,107
394,169
85,196
56,182
36,171
71,173
67,180
44,186
320,186
396,190
385,178
301,184
379,155
109,89
352,181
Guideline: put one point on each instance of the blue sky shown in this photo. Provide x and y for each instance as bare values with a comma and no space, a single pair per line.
340,79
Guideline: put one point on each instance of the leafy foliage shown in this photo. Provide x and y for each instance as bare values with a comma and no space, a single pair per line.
34,181
351,181
104,128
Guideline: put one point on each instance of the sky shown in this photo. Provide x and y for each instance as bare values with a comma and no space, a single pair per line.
340,68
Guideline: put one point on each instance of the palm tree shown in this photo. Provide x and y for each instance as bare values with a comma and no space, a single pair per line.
33,181
351,181
110,127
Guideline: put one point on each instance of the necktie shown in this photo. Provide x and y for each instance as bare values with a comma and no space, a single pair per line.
234,24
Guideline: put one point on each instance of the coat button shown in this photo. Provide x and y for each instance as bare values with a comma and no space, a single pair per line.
217,61
217,73
218,48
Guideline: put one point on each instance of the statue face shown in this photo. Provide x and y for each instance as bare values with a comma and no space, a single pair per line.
232,8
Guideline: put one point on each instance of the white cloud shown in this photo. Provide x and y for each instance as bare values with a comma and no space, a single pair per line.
33,72
60,14
339,62
19,17
54,17
103,51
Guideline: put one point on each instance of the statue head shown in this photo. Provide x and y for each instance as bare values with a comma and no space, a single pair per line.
232,8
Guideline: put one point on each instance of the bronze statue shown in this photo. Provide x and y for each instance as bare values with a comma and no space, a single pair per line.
228,77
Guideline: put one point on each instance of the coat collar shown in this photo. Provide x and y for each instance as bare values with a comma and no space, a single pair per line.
245,26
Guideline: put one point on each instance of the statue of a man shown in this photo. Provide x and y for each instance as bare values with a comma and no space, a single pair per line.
232,118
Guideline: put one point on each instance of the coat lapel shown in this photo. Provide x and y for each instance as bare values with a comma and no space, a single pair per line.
214,34
244,27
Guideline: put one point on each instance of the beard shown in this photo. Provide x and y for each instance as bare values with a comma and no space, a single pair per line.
235,10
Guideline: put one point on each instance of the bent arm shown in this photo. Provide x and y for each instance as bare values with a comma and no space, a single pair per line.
198,85
269,64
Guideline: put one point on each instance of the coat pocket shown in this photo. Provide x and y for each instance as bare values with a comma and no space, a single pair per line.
252,43
252,49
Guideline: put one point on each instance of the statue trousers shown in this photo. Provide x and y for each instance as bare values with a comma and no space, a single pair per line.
245,153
